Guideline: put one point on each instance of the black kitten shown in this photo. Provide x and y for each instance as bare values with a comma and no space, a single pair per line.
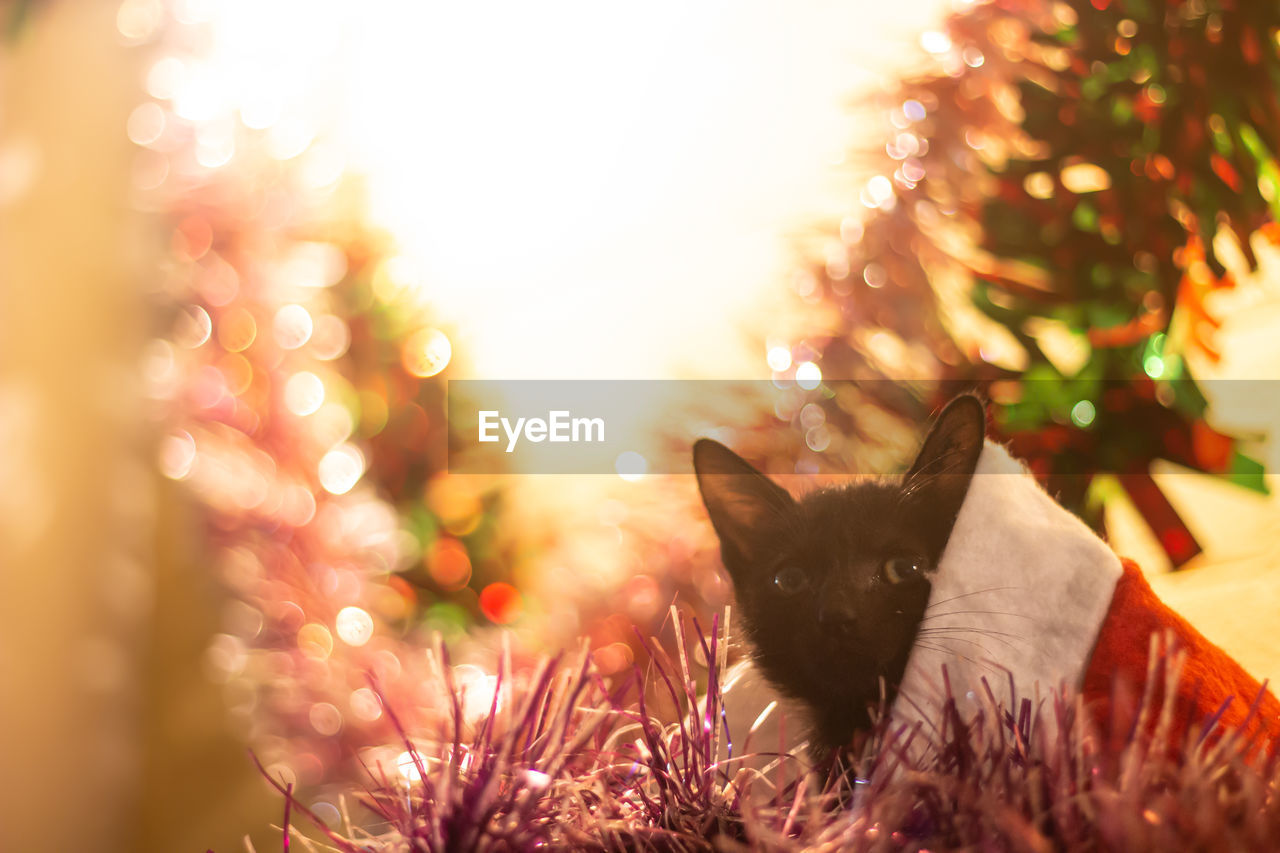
832,587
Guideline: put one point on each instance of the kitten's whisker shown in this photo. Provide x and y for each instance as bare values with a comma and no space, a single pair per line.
961,640
951,632
985,664
978,613
986,632
976,592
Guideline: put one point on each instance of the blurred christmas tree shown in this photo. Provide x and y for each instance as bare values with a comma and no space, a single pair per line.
301,376
1039,222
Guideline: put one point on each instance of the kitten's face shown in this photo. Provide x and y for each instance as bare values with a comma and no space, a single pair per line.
832,588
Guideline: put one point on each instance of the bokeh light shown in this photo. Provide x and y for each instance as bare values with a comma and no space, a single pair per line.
315,641
341,468
426,352
501,603
630,465
177,454
808,375
449,564
304,393
779,358
354,626
365,704
292,326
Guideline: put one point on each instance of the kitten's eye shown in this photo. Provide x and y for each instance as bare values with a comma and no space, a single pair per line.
899,569
789,580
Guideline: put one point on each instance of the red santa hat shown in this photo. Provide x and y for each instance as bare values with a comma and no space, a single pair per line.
1027,596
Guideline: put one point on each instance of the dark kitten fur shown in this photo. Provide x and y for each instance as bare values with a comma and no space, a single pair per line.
832,587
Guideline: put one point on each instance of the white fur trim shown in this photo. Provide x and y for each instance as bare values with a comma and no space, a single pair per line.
1025,584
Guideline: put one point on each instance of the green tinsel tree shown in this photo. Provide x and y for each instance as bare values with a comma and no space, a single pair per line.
1039,224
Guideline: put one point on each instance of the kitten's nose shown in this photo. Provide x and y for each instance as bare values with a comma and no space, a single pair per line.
836,613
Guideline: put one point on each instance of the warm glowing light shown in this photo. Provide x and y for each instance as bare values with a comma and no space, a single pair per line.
330,337
297,506
456,501
260,110
199,97
877,193
778,358
237,373
1085,178
289,138
426,352
902,146
612,658
1038,185
408,766
313,265
150,169
166,77
325,718
315,641
536,780
236,330
812,415
365,704
875,275
341,468
818,439
303,393
177,454
553,227
354,626
193,328
146,123
935,42
631,466
292,326
449,563
501,603
219,281
332,425
138,20
476,688
215,145
591,215
808,376
194,11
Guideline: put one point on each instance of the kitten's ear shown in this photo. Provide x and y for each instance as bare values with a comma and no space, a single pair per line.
944,468
744,504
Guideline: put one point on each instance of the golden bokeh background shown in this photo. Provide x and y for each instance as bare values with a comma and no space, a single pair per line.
112,735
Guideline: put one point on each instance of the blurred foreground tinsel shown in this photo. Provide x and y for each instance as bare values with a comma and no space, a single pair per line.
299,373
1043,219
556,762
